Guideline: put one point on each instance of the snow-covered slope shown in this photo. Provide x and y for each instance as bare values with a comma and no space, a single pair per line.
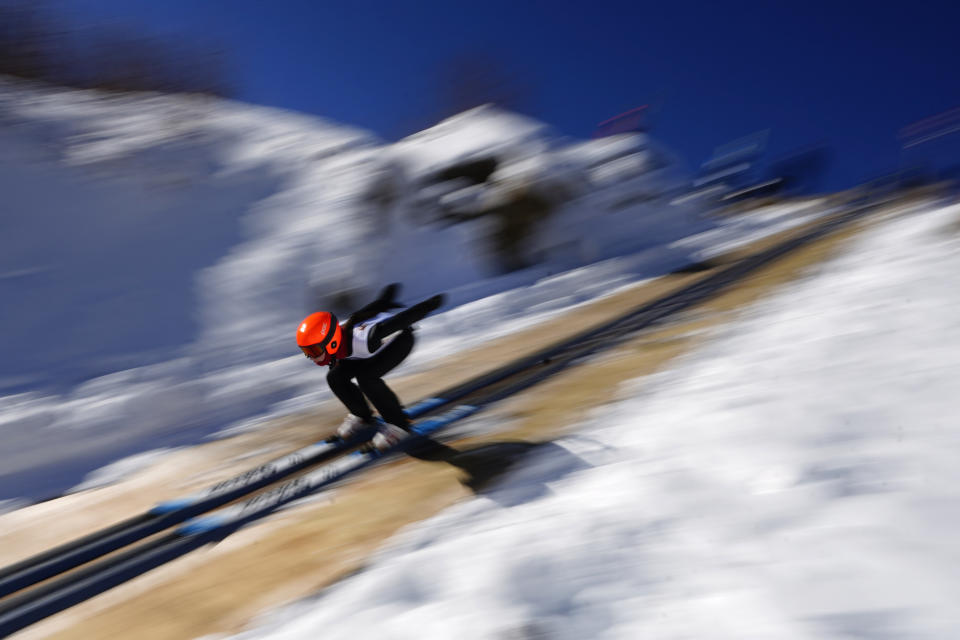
156,251
112,207
796,478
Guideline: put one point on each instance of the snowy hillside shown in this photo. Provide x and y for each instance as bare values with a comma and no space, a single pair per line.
795,479
157,250
111,209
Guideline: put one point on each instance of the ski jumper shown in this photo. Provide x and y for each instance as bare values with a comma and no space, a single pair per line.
376,340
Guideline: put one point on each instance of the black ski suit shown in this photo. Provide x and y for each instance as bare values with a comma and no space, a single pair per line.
369,372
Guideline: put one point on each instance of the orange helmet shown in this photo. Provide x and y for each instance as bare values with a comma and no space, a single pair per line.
319,334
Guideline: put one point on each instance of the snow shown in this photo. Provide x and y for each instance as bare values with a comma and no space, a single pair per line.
114,206
11,505
794,478
158,250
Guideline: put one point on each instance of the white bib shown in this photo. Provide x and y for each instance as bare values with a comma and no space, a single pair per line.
361,334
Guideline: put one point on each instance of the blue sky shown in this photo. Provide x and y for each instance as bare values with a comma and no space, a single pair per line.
845,74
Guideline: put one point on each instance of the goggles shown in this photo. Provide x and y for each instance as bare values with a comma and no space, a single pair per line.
314,351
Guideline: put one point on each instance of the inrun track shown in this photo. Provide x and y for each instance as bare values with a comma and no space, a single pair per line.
35,604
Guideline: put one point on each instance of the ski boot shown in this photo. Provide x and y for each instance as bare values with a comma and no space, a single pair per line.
388,436
352,427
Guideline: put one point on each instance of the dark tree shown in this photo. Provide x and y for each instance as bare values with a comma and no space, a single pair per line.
472,79
34,47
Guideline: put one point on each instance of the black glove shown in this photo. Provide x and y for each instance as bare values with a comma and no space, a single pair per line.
435,302
388,297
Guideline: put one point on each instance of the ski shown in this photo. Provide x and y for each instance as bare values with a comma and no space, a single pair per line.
172,512
47,599
230,518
